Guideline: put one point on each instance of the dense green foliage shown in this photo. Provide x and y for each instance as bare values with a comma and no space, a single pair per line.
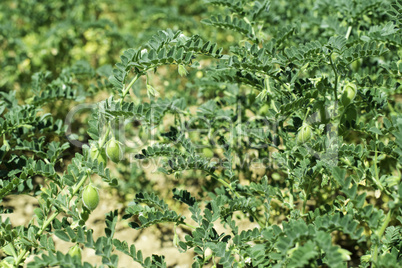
286,115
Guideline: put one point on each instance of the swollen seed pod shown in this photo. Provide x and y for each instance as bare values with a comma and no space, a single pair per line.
264,110
304,135
75,251
207,152
90,197
98,154
113,150
355,66
348,94
85,214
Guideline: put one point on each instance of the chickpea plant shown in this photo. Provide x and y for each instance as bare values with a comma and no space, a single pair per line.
310,91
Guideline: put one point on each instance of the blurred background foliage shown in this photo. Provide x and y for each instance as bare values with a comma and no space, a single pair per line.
53,35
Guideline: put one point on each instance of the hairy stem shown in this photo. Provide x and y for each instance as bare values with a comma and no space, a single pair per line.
348,32
306,197
336,78
226,185
376,173
127,88
380,233
103,140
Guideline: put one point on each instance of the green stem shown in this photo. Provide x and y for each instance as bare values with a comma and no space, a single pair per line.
5,142
380,233
307,113
102,142
348,32
385,223
376,175
308,193
306,197
186,224
104,138
127,88
336,78
226,185
291,194
21,255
